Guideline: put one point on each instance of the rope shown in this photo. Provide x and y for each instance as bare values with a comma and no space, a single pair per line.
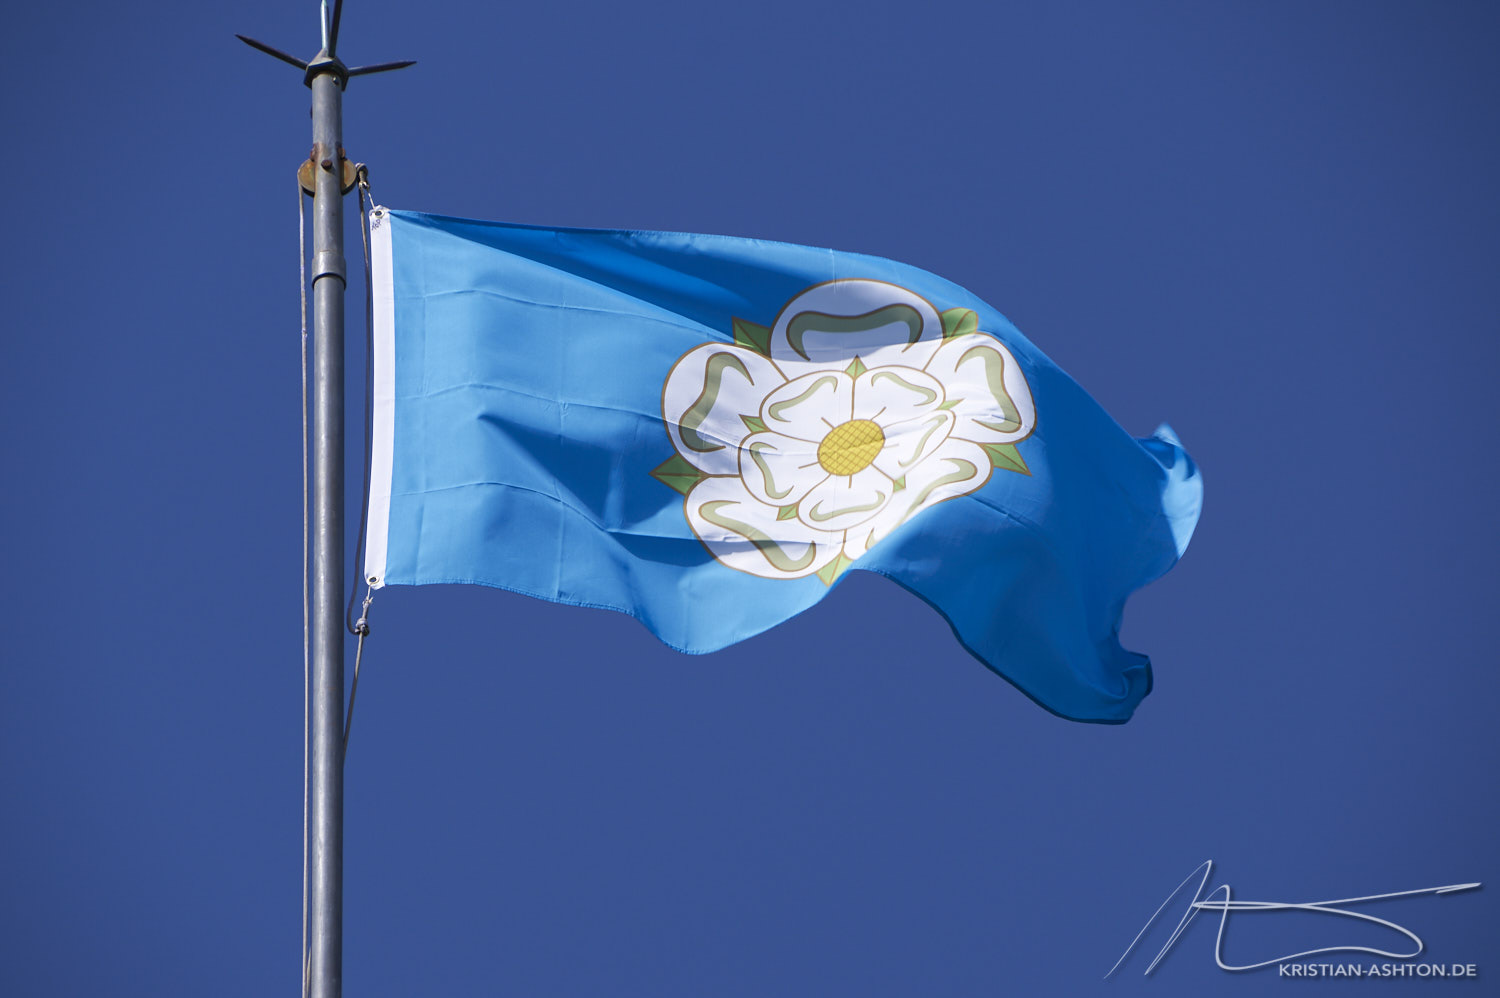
361,628
306,595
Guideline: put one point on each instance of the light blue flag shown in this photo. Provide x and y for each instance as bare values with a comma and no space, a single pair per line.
707,432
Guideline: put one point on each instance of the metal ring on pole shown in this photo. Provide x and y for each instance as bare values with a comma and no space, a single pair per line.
305,174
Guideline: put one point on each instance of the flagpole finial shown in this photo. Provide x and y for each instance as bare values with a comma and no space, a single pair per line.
331,25
327,60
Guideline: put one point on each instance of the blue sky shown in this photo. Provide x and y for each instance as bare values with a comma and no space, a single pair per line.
1273,225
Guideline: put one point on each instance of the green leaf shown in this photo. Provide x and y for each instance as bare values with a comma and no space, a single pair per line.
899,483
959,321
856,368
950,404
1006,457
831,571
787,512
753,336
753,424
677,473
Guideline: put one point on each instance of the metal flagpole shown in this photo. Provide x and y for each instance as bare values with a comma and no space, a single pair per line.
327,176
325,967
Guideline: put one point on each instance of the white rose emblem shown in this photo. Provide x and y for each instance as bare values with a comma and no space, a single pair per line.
804,444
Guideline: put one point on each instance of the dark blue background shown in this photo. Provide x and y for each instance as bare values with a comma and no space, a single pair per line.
1273,225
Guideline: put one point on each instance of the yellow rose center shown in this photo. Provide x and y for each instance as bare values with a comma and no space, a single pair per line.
851,446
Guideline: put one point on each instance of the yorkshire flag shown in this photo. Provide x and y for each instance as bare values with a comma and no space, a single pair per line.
707,433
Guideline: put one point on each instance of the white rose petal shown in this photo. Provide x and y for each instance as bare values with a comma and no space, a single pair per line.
895,394
994,401
828,325
843,501
908,443
707,392
746,534
779,470
956,468
806,408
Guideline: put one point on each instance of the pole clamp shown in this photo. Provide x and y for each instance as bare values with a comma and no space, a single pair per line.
315,160
329,263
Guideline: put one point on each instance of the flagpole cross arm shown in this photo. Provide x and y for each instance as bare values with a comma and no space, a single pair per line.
324,63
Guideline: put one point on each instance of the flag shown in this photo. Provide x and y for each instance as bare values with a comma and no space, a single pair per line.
708,433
